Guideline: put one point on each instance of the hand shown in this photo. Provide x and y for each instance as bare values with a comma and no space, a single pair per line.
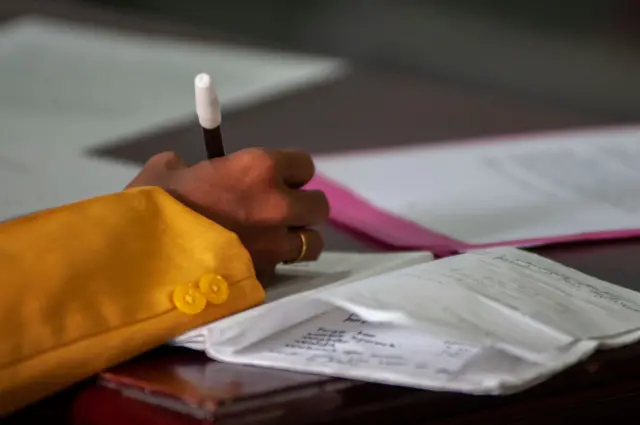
255,193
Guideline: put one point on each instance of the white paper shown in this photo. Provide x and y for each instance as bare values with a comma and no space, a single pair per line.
338,343
34,178
504,190
519,301
333,268
492,321
338,268
75,87
340,338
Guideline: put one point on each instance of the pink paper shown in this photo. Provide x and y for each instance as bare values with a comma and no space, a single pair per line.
352,211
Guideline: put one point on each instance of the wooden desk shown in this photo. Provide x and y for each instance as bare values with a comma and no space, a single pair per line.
370,108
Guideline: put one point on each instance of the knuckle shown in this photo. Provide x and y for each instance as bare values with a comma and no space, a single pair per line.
273,210
277,209
300,160
258,161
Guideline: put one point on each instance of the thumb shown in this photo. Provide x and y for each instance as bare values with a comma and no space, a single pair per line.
158,169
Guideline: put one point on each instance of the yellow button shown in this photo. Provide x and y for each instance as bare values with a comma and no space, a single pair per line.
214,287
188,299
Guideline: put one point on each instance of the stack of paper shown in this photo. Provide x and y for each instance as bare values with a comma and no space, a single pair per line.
510,191
488,322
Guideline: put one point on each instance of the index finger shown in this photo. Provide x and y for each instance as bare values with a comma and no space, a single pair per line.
295,167
308,208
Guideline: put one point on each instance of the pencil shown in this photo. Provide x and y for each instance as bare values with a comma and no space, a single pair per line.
209,116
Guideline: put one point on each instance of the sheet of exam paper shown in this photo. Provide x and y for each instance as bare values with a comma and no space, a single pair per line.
488,321
505,189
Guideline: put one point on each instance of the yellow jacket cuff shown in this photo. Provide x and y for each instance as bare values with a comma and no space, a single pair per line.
90,284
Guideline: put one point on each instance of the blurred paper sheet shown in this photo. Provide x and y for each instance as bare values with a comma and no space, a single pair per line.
33,178
73,86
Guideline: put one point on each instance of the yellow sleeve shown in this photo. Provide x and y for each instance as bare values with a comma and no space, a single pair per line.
91,284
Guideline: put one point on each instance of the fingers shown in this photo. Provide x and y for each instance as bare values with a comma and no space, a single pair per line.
294,167
272,213
283,246
307,208
303,245
289,167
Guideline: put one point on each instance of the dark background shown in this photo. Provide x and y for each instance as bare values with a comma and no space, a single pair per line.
579,54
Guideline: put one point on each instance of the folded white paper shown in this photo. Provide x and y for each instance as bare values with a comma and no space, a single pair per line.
488,322
332,268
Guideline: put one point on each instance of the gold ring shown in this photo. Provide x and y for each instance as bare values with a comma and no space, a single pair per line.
303,250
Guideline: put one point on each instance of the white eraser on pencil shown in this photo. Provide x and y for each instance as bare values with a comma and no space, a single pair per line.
207,104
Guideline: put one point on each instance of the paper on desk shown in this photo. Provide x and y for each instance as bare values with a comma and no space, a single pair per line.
34,178
493,321
76,86
333,268
517,191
